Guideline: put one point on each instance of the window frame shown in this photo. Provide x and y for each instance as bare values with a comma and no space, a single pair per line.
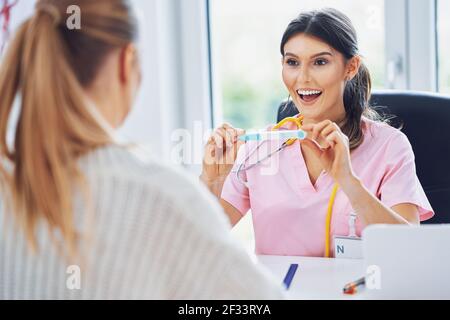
414,58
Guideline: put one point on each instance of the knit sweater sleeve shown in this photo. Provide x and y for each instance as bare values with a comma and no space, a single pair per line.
202,260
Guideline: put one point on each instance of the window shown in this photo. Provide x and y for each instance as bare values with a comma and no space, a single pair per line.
245,38
443,28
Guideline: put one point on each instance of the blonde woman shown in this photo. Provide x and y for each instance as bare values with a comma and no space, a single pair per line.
74,200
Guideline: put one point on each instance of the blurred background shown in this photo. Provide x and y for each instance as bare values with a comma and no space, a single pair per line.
210,61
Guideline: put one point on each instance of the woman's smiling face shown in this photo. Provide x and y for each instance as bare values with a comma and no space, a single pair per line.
315,75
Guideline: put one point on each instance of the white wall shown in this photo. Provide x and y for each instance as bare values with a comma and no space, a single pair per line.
174,102
147,122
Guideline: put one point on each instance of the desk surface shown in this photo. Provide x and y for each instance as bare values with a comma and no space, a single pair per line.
317,278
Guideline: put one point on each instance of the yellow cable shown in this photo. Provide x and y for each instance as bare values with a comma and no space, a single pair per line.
298,121
328,221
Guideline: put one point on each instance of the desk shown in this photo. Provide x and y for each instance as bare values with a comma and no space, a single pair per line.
317,278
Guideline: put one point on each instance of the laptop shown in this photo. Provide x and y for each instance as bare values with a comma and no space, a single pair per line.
404,262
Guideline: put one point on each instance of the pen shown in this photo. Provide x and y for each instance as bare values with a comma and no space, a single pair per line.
290,275
273,135
351,287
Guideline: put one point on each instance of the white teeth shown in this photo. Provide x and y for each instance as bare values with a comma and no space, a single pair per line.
308,92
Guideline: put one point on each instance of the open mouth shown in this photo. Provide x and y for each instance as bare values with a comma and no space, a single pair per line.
309,96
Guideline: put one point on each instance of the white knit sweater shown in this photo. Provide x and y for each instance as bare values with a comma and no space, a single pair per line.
155,234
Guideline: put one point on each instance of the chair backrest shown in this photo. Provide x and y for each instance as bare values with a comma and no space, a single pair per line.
425,119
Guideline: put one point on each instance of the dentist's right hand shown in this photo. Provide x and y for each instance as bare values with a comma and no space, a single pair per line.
219,157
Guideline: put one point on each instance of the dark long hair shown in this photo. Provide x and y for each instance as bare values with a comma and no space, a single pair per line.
336,29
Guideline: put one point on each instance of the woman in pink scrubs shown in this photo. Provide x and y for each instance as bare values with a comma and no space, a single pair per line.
347,144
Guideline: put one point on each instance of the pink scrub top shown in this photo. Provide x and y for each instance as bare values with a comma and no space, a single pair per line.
289,212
